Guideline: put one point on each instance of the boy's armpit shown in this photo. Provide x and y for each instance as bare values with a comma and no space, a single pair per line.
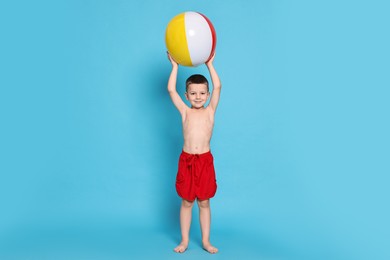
178,101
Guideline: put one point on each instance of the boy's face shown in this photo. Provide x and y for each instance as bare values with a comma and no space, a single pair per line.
197,94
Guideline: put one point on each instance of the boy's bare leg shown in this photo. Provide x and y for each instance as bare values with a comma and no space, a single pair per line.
205,220
185,223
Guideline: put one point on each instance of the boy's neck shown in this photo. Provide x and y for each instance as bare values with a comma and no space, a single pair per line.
199,108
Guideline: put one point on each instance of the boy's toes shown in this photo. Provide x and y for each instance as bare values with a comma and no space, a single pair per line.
180,248
209,248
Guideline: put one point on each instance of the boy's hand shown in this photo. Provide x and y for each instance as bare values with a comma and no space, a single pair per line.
211,60
174,63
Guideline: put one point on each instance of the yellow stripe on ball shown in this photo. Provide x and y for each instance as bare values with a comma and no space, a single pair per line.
176,41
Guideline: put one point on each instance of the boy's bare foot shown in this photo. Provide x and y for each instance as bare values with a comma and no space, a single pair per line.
209,248
181,248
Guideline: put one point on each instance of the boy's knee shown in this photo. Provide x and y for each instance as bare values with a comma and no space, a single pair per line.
187,203
204,204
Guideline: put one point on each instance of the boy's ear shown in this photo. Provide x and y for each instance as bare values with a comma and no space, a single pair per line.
186,95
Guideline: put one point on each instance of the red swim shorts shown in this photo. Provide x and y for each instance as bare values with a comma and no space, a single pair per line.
196,176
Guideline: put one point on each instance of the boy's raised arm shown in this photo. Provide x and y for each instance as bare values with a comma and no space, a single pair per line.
216,84
176,99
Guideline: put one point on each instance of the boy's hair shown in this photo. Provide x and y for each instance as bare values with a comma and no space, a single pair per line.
197,79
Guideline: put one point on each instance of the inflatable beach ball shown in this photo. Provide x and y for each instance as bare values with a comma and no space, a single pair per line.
190,39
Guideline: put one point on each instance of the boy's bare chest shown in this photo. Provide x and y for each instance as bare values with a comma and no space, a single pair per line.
198,119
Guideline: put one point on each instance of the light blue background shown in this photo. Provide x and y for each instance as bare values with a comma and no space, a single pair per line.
90,140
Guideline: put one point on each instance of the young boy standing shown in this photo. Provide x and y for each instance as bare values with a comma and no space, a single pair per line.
196,176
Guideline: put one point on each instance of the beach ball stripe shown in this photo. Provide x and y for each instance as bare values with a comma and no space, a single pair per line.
176,40
213,35
190,38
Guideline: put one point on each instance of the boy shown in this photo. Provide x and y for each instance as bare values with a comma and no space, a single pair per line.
196,176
